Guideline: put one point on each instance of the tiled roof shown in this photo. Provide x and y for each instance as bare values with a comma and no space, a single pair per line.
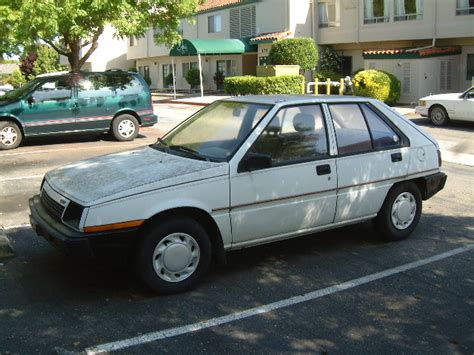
413,52
270,36
216,4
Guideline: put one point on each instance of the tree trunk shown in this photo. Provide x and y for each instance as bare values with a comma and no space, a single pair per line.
74,55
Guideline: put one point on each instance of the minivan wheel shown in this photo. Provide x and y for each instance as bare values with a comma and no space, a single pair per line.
125,128
10,135
400,212
174,255
439,116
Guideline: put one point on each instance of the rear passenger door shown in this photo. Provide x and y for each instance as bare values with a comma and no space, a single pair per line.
372,154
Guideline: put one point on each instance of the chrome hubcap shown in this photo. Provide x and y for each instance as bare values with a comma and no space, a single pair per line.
8,136
176,257
403,210
126,128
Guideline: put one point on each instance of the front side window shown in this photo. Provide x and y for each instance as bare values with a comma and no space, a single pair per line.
328,11
352,133
464,7
376,11
406,10
57,89
214,24
215,132
295,134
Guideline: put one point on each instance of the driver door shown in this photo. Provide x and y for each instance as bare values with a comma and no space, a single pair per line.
297,193
51,107
464,108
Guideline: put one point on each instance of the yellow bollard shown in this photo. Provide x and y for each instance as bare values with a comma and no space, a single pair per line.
341,88
316,87
328,87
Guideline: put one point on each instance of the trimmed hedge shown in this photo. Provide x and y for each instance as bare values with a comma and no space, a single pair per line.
378,85
294,51
252,85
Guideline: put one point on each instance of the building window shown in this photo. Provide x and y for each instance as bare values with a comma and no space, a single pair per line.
346,66
146,72
187,66
406,10
263,60
376,11
470,67
243,22
168,75
446,75
228,67
464,7
328,13
214,24
132,41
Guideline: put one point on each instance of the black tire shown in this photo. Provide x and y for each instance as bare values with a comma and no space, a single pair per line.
119,128
10,135
148,255
410,194
439,116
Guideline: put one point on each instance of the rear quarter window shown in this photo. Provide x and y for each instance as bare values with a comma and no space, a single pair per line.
383,136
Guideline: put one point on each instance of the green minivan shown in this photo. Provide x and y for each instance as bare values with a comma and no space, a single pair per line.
113,101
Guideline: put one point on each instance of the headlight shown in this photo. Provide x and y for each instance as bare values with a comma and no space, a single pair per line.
422,103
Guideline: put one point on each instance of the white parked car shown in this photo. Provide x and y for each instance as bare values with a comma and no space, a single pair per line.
442,108
242,172
5,88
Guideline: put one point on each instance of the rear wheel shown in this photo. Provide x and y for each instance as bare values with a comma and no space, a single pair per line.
10,135
439,116
400,212
174,255
125,127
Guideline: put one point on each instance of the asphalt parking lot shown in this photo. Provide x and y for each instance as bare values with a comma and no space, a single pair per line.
339,291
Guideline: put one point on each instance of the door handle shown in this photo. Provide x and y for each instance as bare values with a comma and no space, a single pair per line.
396,157
323,169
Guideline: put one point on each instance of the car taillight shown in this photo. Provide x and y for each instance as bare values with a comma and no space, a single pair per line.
440,161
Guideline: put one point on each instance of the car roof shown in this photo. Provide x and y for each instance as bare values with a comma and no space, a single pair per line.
295,99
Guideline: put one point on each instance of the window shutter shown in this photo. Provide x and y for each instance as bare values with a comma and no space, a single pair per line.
406,78
442,76
449,76
235,23
243,22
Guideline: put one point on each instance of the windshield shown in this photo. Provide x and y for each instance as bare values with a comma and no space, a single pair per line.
215,132
20,92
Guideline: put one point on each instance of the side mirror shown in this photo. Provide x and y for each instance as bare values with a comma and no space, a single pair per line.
254,161
31,100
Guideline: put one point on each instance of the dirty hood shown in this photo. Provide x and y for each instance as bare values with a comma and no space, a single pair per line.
113,176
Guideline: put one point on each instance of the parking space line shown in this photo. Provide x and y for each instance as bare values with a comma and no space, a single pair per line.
172,332
23,178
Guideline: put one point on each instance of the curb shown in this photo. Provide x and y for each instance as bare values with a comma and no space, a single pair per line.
6,249
183,102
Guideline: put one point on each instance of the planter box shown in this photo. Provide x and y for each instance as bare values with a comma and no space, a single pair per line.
277,70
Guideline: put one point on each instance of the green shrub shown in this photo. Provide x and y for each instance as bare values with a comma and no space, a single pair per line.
16,79
294,51
252,85
193,77
372,83
395,89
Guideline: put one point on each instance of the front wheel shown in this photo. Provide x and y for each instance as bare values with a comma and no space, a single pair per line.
400,212
10,135
125,127
174,255
439,116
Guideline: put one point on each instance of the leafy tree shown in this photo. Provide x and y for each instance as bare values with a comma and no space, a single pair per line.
43,60
73,27
294,51
16,79
193,77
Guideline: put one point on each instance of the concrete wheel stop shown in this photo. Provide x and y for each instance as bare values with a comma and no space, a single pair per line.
6,250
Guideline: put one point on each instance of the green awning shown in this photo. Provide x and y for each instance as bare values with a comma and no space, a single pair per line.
212,47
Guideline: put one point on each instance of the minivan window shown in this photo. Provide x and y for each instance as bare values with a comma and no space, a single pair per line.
100,85
57,89
21,91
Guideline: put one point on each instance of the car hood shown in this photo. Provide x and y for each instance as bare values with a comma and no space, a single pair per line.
118,175
442,97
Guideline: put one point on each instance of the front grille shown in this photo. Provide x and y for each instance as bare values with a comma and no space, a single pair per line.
53,208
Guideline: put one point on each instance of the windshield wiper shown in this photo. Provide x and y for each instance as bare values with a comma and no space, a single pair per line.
189,151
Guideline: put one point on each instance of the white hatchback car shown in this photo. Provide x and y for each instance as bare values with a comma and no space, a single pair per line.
442,108
241,172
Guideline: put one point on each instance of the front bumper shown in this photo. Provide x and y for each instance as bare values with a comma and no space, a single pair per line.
422,110
74,243
433,184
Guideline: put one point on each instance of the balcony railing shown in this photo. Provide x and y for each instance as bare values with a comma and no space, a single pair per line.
329,24
376,19
465,11
407,17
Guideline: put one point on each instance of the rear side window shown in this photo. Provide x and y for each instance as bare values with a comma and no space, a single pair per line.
383,136
352,133
101,85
